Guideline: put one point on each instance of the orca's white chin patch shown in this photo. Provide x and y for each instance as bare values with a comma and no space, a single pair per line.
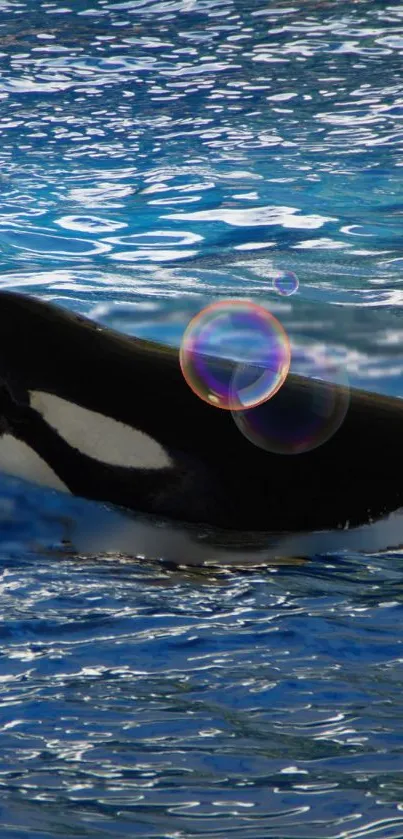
99,436
19,460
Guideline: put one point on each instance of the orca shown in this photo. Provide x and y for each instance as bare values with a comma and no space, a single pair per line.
92,412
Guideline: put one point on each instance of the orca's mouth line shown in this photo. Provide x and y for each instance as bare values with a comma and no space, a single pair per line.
101,415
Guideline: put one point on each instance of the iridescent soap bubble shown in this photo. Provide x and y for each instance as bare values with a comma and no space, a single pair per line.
286,283
224,335
306,412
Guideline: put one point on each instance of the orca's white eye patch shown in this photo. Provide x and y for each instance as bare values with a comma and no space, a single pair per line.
99,436
18,459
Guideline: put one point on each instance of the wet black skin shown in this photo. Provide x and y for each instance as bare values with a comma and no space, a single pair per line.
219,477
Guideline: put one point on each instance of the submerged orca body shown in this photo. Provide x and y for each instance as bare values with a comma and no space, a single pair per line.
111,418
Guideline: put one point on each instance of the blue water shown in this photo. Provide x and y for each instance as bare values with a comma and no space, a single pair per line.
156,155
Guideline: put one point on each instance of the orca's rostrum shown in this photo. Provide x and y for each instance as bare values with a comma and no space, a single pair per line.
111,418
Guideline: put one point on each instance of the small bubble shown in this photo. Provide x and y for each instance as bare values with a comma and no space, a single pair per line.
286,283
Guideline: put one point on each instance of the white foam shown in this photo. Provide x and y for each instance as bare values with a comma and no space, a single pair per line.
107,530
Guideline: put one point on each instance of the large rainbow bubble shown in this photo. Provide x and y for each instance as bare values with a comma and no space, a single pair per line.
305,413
225,336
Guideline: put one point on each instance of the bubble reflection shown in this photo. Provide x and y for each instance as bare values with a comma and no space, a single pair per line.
305,416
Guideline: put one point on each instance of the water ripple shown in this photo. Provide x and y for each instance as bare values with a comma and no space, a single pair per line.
156,702
226,95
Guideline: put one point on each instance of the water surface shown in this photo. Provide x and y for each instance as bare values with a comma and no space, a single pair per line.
156,156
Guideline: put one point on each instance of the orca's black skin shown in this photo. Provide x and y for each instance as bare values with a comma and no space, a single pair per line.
219,477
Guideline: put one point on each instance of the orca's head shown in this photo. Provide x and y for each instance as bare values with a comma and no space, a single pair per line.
89,411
